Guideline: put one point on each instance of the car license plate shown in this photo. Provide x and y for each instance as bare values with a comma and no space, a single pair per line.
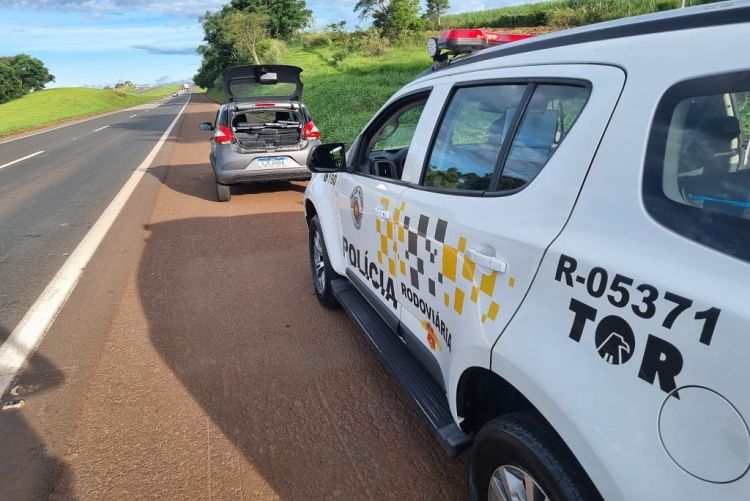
271,162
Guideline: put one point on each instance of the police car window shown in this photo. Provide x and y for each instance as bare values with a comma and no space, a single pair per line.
697,178
398,131
552,111
470,137
388,143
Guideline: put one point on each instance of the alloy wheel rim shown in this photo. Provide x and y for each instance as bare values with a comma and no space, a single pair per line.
319,269
511,483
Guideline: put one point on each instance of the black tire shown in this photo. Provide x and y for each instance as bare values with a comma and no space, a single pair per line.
526,441
223,192
321,287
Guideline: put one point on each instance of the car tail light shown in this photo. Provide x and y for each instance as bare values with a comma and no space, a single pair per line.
310,131
224,135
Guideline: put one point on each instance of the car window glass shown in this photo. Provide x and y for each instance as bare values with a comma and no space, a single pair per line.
549,116
398,131
698,167
388,142
706,160
471,135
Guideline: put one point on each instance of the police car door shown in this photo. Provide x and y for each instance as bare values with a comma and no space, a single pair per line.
502,171
368,193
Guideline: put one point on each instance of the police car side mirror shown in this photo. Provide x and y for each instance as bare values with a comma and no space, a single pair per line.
327,158
207,126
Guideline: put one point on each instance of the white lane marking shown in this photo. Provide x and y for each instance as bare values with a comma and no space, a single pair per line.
100,128
29,332
22,159
132,116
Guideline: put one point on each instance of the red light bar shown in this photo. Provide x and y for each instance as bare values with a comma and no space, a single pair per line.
498,38
459,34
463,41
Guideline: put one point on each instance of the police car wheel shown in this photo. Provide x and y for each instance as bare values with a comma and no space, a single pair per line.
520,457
223,192
322,273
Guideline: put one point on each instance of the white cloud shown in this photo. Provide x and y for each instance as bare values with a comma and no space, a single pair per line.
90,38
99,7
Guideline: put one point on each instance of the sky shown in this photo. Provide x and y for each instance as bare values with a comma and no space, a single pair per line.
101,42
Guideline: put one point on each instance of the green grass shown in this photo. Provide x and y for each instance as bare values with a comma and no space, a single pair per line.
57,105
560,13
343,98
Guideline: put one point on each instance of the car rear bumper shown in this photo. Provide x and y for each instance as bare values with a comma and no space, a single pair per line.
252,176
231,166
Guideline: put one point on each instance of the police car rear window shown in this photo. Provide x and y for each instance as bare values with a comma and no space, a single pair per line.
481,146
697,179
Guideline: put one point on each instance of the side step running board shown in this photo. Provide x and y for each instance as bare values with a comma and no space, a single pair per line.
423,390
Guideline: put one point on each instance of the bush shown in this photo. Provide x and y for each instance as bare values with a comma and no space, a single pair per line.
372,44
316,39
338,57
276,51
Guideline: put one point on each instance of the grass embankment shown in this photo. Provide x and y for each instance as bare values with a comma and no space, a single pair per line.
57,105
560,13
344,97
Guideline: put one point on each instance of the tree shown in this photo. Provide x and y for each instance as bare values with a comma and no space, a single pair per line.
392,18
436,9
11,86
247,32
285,17
217,52
30,70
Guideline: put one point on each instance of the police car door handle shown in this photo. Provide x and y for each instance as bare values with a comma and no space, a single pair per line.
486,261
382,213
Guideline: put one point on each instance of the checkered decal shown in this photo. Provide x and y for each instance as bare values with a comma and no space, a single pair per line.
407,238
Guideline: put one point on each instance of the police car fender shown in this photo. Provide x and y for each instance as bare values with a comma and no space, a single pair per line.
320,194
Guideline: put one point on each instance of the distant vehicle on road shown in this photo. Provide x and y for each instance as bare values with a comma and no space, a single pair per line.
174,94
263,132
548,243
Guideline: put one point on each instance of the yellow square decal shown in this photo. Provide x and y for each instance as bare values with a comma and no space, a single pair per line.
474,294
487,284
462,244
446,299
493,311
458,304
468,271
449,262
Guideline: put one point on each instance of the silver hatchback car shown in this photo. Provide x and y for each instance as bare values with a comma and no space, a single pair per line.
263,132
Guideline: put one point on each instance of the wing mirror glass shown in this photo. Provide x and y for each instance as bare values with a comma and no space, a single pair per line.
327,158
206,126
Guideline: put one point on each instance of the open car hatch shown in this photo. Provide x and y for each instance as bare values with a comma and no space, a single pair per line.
262,82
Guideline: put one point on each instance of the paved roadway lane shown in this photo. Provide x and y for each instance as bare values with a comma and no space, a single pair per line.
193,361
49,201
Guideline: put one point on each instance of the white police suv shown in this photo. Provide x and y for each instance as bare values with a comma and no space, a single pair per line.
548,242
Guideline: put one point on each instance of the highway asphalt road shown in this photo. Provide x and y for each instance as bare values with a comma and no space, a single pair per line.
192,359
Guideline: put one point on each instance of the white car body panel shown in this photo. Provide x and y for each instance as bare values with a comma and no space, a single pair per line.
606,407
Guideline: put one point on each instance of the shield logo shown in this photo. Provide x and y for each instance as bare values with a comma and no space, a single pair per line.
357,202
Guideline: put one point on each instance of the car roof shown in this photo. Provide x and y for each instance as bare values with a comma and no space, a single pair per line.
621,30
